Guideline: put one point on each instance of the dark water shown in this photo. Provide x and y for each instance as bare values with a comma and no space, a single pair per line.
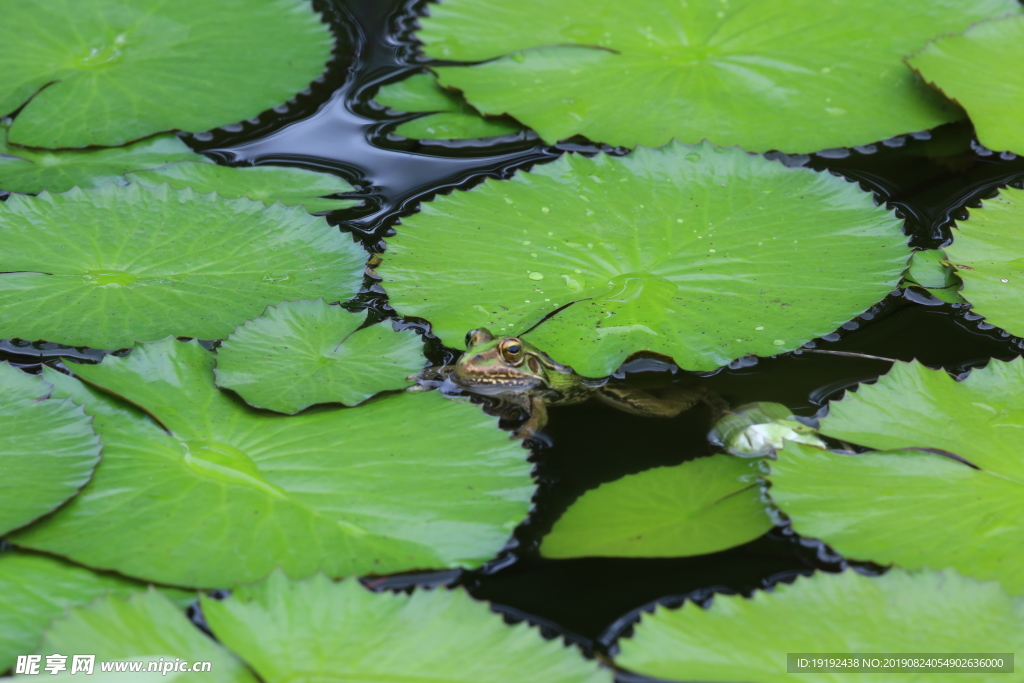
930,179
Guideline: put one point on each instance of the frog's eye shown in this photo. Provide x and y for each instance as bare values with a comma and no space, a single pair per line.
512,350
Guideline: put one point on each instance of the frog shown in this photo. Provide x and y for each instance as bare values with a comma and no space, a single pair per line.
525,379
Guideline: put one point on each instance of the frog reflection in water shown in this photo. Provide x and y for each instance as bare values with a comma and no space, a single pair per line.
524,378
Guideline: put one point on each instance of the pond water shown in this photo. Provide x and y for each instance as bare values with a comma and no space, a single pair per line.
930,179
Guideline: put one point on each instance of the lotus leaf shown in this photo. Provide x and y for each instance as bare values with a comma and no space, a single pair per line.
145,627
449,116
760,75
267,184
702,506
38,588
980,70
221,494
48,449
988,252
134,263
306,352
747,639
342,631
696,252
108,71
867,506
33,170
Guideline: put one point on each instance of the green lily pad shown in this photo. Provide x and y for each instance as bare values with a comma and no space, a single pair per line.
701,506
867,506
342,631
758,75
109,72
144,627
267,184
930,270
747,639
226,493
306,352
979,69
32,170
38,588
48,449
700,253
134,263
449,116
988,253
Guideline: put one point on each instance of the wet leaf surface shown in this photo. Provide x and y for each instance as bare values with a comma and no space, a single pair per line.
747,639
31,170
48,449
137,264
110,72
980,70
227,493
306,352
759,75
701,506
867,506
699,253
988,254
39,588
344,631
267,184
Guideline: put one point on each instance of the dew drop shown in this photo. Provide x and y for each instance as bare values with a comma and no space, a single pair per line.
526,243
759,328
577,270
711,251
778,342
544,209
1004,279
679,220
536,276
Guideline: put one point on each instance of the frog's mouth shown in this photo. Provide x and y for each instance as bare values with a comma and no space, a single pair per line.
494,385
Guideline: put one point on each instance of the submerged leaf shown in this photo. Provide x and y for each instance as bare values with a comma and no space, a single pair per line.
306,352
38,588
108,267
699,253
747,639
758,429
342,631
760,75
449,116
868,506
267,184
988,253
980,70
144,627
701,506
226,493
106,72
48,449
31,170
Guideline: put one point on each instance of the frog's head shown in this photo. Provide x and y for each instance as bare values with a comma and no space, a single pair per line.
504,364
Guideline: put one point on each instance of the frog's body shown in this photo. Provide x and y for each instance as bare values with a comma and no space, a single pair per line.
525,378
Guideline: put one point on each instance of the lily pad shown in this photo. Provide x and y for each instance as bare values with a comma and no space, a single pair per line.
109,72
980,70
988,253
226,493
867,506
267,184
306,352
747,639
48,449
38,588
32,170
754,74
700,253
145,627
448,117
930,270
108,267
702,506
342,631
